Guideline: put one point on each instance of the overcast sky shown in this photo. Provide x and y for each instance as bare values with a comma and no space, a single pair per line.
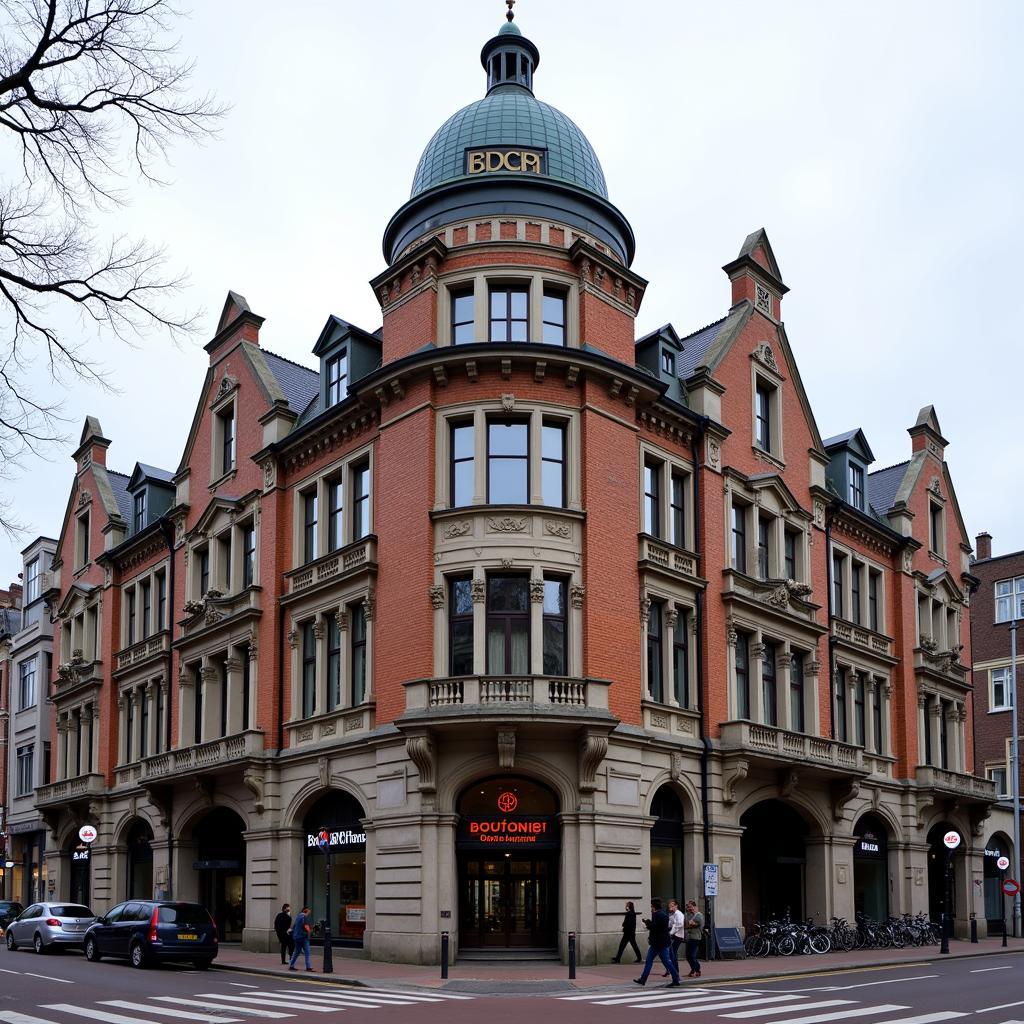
879,144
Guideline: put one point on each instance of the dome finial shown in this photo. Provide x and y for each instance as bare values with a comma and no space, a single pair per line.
510,14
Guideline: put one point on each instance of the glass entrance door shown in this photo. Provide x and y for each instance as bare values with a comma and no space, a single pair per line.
508,902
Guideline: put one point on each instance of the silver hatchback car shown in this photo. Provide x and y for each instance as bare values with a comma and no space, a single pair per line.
45,926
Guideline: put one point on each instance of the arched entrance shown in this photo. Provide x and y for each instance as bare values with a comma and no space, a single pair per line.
871,867
140,861
338,814
220,865
996,909
774,862
937,858
79,857
508,844
667,845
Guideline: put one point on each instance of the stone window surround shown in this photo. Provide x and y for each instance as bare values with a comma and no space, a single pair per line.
507,405
483,277
937,503
224,402
758,636
670,464
83,539
155,626
206,671
320,479
89,711
762,374
929,709
224,522
76,632
132,691
756,499
680,606
876,687
852,555
317,609
939,628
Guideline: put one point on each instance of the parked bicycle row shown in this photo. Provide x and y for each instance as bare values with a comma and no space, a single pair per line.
788,938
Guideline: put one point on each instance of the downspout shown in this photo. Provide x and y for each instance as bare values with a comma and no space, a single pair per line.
167,530
829,509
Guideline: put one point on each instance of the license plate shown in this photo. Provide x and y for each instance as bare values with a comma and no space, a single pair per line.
75,927
187,936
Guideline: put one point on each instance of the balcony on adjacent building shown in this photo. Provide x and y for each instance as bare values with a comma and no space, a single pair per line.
334,567
144,650
769,745
671,561
958,785
203,758
863,639
82,787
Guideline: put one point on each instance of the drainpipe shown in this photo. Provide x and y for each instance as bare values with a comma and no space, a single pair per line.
829,510
167,531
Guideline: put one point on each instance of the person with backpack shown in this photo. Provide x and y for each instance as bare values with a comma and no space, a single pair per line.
300,936
658,942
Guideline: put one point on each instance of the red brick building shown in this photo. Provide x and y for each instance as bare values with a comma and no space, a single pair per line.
529,615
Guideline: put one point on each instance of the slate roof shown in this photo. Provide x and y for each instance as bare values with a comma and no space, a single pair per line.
695,348
119,485
299,384
10,621
154,473
883,485
840,438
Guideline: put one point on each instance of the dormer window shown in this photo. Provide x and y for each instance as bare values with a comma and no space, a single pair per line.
140,511
856,485
337,378
668,362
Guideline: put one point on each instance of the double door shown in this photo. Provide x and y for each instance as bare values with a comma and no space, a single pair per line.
508,901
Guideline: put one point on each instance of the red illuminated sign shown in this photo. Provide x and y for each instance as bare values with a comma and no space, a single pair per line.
507,802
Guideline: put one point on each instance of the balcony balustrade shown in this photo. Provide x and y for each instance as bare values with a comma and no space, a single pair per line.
956,784
859,636
346,561
151,647
204,757
780,746
674,561
67,790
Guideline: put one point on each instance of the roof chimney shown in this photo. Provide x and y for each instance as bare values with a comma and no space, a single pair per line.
983,546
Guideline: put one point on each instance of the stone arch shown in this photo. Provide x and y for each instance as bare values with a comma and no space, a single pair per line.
198,807
124,824
682,787
307,796
452,784
891,820
813,813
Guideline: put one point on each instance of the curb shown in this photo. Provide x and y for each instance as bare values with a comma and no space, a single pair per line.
332,979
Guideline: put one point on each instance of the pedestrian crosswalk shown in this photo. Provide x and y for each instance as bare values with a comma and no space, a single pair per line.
235,1007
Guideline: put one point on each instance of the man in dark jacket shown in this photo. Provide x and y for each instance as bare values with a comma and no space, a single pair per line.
283,930
658,943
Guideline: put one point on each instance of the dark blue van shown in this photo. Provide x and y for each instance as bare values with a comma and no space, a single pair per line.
145,932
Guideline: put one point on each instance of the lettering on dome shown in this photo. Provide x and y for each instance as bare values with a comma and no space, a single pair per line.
506,159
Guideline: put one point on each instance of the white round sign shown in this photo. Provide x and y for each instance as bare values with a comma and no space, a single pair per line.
87,833
951,840
1003,863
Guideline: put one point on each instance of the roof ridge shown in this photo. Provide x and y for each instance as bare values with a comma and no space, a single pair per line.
704,328
895,465
116,472
285,359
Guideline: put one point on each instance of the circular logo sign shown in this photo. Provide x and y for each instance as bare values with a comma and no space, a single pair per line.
951,840
1010,887
507,802
87,834
323,840
1003,863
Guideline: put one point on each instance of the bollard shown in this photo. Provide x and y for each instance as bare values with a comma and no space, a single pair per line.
444,955
572,956
974,929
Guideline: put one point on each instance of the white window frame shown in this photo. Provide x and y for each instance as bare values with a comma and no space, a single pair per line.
1014,589
667,466
1006,704
991,772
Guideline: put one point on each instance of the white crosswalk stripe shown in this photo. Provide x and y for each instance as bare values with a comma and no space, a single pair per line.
690,995
748,1001
91,1013
209,1005
14,1017
376,995
257,998
820,1018
772,1010
166,1011
928,1018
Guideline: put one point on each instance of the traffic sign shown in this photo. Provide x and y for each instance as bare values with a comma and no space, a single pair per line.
951,840
1010,887
1003,863
710,879
87,833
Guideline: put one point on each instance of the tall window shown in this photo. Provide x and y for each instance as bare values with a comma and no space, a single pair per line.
796,692
463,327
668,362
507,462
78,741
82,539
763,416
333,663
739,538
204,571
769,687
764,526
357,617
337,378
460,626
927,730
308,670
552,466
555,631
873,579
935,533
129,727
654,660
143,724
681,659
25,780
789,542
140,511
509,317
554,317
742,675
943,735
161,601
335,513
27,691
1000,692
856,571
463,468
197,705
859,710
839,685
248,554
856,486
246,687
508,625
147,608
652,498
361,500
838,564
998,776
677,510
876,713
227,439
130,602
159,699
309,517
1010,599
32,581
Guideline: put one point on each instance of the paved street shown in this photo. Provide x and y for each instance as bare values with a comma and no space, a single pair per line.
64,989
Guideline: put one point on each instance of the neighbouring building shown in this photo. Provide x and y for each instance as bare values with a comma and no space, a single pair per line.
514,615
10,620
1000,599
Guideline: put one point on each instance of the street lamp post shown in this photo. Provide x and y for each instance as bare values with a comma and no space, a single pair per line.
324,840
1015,766
944,948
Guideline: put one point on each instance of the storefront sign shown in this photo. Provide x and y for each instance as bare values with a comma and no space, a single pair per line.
1003,863
506,158
951,840
355,914
18,828
81,854
519,830
992,853
87,833
216,865
338,837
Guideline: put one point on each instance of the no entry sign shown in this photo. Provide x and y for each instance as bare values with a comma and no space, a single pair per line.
1003,863
951,840
1010,887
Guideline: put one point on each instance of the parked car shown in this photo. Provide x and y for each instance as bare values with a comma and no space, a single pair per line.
9,910
45,926
150,931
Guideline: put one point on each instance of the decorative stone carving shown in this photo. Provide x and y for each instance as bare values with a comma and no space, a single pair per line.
732,637
713,454
369,604
479,591
269,474
763,303
323,767
507,524
593,749
928,644
318,628
819,513
764,354
254,647
293,637
421,752
842,795
506,563
557,529
576,594
733,776
226,386
645,610
908,560
253,781
788,781
508,402
506,749
758,651
658,720
537,591
460,529
437,596
672,618
786,593
933,486
84,497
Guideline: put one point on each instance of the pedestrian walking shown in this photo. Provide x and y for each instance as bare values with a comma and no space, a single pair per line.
658,943
300,936
676,931
694,930
283,930
628,934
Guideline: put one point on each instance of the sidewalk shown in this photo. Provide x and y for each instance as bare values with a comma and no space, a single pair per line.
509,977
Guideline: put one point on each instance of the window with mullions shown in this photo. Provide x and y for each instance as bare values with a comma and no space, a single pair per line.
856,486
927,730
248,554
652,498
509,315
1000,690
460,626
308,670
796,692
839,686
508,625
147,608
769,686
552,466
876,714
361,500
1010,599
943,735
681,659
335,512
143,723
161,601
32,581
25,780
508,447
309,516
554,317
129,727
677,509
337,378
27,684
130,604
333,662
742,675
140,511
357,619
655,682
739,538
838,571
555,628
668,362
935,533
463,326
873,580
463,463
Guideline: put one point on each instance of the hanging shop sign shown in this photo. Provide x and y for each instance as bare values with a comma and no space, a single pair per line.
1003,863
336,837
87,833
951,840
710,879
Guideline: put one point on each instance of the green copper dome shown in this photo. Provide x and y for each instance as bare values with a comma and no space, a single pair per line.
510,116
